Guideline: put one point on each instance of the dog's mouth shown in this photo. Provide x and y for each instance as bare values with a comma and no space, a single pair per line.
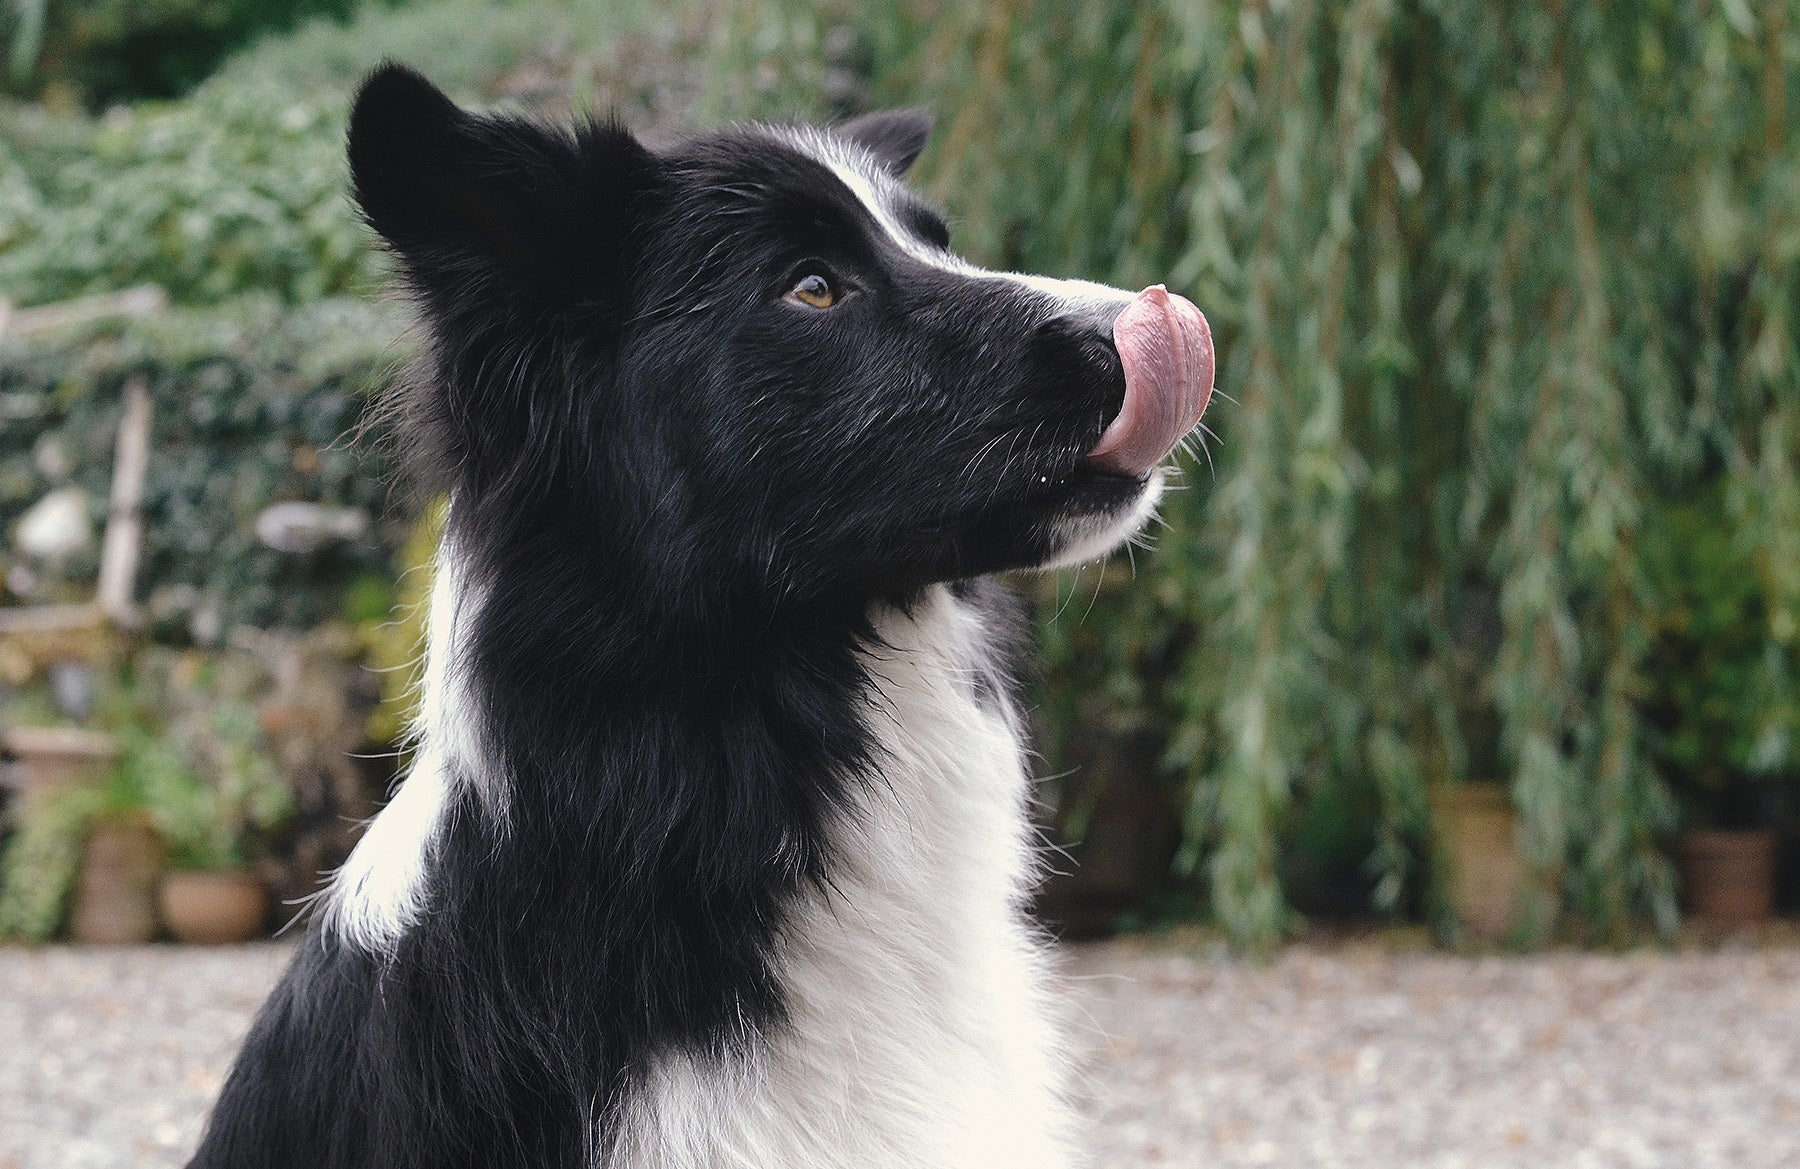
1081,485
1166,348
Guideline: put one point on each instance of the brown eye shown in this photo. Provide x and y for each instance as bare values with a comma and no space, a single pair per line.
814,290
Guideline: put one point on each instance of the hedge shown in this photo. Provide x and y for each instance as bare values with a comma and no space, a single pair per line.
241,188
254,404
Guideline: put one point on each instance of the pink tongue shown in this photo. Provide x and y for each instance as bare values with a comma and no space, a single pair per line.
1168,354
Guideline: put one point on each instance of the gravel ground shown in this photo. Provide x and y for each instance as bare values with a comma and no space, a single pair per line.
1347,1055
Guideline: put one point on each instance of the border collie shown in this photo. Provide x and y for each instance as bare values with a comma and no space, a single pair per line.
713,848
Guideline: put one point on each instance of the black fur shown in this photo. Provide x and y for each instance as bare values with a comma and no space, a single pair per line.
678,495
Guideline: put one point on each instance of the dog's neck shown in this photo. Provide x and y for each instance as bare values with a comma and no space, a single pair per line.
916,1029
543,705
814,862
544,724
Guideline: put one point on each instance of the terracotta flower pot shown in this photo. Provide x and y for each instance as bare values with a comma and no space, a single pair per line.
52,759
1727,877
115,895
1482,875
213,907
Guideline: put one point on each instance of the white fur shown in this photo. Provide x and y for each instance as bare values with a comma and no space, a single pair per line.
876,190
919,1035
380,890
1092,537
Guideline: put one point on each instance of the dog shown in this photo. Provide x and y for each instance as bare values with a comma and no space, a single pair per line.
714,844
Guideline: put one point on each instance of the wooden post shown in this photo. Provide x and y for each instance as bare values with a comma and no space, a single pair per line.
146,300
121,545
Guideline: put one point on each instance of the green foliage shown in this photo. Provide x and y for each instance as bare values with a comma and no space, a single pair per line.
252,406
327,58
1485,281
208,784
38,867
114,50
240,188
24,22
1721,672
1508,475
191,757
397,641
243,186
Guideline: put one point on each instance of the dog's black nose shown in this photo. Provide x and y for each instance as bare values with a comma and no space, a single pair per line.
1083,327
1076,358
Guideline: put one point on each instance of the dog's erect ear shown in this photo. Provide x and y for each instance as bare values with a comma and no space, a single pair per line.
895,137
464,196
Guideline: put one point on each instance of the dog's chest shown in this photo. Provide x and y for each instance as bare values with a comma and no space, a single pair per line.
918,1031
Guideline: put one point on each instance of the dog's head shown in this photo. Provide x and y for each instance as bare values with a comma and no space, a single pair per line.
752,358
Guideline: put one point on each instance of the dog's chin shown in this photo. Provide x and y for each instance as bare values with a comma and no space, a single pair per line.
1095,514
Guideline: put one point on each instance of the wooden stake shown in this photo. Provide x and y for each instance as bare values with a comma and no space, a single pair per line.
123,542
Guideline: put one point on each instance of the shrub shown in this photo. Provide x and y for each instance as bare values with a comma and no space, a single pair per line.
243,186
1722,686
254,404
118,50
40,860
328,58
211,788
240,188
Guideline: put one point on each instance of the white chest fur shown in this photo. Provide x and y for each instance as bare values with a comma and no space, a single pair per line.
920,1034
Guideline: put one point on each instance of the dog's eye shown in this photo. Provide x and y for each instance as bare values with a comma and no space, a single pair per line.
813,290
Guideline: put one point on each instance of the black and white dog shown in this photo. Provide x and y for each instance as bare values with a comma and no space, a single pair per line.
713,849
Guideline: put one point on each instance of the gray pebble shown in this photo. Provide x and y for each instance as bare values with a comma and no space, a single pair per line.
1344,1056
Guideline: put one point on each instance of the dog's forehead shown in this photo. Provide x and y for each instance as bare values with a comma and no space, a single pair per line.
751,167
807,164
882,196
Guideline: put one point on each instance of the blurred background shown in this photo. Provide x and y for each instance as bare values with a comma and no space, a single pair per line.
1481,612
1476,626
